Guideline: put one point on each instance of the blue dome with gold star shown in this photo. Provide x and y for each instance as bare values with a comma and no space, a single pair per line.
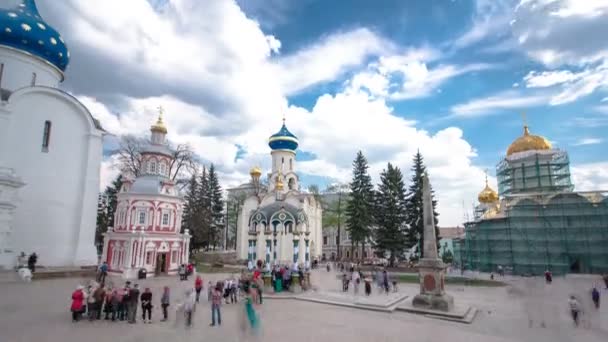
283,140
22,28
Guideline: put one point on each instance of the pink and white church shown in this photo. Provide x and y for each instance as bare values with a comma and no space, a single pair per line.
147,223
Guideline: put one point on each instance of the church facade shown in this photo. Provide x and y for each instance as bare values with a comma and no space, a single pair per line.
50,148
278,223
148,218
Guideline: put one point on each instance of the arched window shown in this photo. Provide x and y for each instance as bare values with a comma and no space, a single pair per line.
46,136
291,184
163,168
152,167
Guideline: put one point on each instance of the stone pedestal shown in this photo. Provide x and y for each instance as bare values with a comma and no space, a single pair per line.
432,286
306,280
295,284
267,281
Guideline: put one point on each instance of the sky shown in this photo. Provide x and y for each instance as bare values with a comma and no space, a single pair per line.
450,78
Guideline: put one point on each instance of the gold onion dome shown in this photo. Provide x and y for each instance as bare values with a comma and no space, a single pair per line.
159,126
255,171
528,142
487,195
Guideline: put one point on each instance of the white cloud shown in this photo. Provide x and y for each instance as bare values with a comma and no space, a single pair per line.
498,102
108,172
588,141
328,59
491,19
577,8
408,75
273,43
227,61
549,78
590,177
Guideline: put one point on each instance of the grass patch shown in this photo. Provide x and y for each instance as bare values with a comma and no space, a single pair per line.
450,280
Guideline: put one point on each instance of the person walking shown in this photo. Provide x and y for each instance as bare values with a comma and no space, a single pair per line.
233,290
108,308
216,303
368,286
189,304
146,305
385,281
164,302
182,272
198,287
102,273
100,295
575,309
356,281
31,262
116,302
77,306
595,296
132,304
91,305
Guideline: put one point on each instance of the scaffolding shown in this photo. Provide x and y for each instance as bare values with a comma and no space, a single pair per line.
534,171
565,232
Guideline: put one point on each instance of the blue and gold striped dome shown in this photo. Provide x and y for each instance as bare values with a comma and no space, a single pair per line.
22,28
283,140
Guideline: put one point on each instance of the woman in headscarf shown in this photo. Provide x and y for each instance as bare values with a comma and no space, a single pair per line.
249,318
77,303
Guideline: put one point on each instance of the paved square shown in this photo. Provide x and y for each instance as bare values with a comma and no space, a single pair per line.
39,311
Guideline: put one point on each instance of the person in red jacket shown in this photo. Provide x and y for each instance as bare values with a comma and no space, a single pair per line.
77,303
198,286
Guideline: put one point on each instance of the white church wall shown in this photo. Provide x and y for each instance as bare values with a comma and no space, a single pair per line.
19,69
59,201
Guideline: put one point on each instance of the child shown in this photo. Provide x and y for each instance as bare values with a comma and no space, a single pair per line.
368,287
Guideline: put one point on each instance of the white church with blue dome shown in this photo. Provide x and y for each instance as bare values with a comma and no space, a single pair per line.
278,223
50,148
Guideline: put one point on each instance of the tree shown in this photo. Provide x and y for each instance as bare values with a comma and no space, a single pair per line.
390,214
106,209
415,215
203,217
334,211
190,214
183,163
359,209
216,203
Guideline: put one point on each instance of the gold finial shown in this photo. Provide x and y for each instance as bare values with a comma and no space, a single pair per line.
283,118
159,126
524,119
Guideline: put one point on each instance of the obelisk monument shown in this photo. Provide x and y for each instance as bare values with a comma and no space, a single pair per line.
431,268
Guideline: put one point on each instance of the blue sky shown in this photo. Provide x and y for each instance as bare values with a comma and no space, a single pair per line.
447,77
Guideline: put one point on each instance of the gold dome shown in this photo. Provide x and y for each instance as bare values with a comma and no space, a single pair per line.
255,171
487,195
159,126
528,142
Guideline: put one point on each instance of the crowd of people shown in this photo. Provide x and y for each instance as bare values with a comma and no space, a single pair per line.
353,274
104,301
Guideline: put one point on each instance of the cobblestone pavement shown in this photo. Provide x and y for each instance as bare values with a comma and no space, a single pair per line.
39,312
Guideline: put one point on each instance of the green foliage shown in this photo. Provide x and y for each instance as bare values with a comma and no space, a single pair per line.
390,213
204,209
334,211
360,207
414,206
106,208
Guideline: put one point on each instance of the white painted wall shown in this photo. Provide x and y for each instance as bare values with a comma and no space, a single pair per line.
57,213
19,67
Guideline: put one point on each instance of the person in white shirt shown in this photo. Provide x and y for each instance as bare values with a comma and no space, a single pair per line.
575,309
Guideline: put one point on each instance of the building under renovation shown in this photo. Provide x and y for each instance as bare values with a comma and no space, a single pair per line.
536,221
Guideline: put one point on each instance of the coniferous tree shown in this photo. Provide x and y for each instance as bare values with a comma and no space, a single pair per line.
415,215
106,209
190,214
216,203
390,216
204,219
360,207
